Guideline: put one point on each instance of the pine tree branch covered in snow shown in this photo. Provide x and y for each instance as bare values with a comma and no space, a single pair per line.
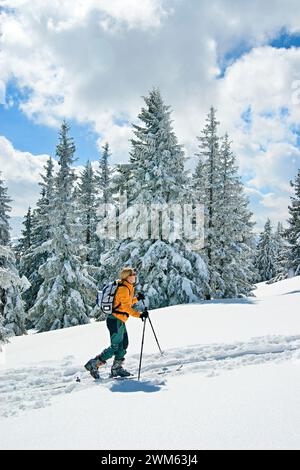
12,315
168,270
67,292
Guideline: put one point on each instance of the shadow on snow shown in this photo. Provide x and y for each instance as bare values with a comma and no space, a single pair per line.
129,386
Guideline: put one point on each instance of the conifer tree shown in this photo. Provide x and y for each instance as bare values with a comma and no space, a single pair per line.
42,227
67,291
12,315
266,253
208,189
4,240
293,230
228,249
3,333
236,239
34,254
87,207
169,271
25,241
122,182
104,175
279,244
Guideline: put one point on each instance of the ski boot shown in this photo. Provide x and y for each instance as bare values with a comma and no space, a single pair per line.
92,366
117,370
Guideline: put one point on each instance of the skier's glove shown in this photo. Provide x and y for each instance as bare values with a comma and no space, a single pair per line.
140,296
144,315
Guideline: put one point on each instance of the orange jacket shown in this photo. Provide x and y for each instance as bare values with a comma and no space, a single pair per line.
124,300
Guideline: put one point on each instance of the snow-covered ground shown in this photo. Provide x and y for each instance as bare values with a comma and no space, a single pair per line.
229,378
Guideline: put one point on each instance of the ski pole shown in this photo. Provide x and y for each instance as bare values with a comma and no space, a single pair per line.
142,347
153,331
155,336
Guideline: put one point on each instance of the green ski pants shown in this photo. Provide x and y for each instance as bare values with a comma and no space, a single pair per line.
118,339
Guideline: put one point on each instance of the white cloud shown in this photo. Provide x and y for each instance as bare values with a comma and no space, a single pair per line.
72,59
266,146
21,171
2,92
92,63
268,205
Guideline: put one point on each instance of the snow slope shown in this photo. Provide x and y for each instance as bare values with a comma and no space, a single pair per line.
229,378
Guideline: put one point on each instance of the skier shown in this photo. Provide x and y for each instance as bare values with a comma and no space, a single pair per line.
124,299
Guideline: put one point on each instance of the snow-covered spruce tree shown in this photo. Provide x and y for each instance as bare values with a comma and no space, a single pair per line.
266,254
4,240
44,206
169,271
4,334
12,287
235,254
121,185
12,315
25,241
23,246
208,189
122,181
293,230
104,175
4,214
229,241
33,246
67,291
282,252
281,249
87,207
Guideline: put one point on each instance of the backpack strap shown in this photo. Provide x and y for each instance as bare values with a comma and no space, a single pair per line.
120,284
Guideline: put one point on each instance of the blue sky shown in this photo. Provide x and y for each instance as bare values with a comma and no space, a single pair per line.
92,64
28,135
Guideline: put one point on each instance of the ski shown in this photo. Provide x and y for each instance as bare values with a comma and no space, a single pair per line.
124,378
164,371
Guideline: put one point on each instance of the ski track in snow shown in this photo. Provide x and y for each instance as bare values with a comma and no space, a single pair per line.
36,386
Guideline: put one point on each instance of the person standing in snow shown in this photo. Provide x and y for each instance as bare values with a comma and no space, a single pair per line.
116,324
